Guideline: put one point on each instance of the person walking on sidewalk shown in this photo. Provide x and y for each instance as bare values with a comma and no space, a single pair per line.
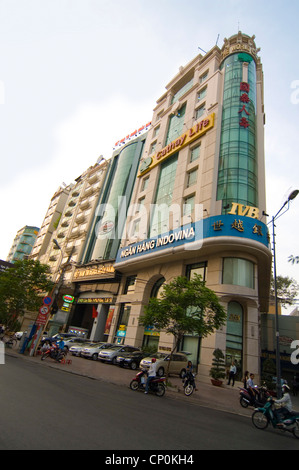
232,373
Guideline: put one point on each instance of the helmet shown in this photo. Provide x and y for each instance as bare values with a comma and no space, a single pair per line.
153,359
286,388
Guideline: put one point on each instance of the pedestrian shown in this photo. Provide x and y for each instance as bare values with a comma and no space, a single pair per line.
232,374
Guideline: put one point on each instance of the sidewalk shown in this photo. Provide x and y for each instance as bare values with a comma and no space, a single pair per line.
225,398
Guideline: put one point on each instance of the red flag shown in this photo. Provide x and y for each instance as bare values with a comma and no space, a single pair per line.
94,312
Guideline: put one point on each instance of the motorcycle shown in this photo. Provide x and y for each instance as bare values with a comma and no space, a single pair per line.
156,386
54,353
260,398
189,383
262,416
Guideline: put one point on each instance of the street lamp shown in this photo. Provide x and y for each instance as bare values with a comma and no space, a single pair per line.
275,217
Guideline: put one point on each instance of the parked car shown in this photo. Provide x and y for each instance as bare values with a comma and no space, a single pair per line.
76,349
130,359
110,355
177,365
57,337
93,351
72,341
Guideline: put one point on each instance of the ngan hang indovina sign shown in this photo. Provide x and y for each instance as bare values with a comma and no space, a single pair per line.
198,130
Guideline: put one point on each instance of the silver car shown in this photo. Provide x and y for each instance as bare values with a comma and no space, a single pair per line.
93,351
76,349
110,355
177,365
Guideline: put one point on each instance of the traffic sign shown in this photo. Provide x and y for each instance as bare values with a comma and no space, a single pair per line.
47,300
44,310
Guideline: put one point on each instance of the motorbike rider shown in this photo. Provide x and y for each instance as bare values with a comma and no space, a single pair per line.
285,402
151,374
250,387
188,375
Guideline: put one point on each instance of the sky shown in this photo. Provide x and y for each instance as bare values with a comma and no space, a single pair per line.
78,75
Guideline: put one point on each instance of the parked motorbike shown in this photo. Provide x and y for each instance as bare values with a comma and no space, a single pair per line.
189,383
259,399
156,386
266,414
54,353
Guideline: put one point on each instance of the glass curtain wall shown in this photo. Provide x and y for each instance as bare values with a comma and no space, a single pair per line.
237,174
160,214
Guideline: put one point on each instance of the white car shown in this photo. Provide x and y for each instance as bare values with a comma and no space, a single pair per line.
93,351
68,343
110,355
76,349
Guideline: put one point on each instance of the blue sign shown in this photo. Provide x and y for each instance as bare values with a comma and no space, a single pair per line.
192,235
47,300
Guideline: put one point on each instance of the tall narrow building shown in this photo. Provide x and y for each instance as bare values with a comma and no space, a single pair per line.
199,205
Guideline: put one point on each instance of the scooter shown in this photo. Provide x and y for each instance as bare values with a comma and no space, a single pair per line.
53,352
156,386
261,396
189,383
262,416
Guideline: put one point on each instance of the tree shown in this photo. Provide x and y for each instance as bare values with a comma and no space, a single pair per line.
184,307
21,288
217,370
287,289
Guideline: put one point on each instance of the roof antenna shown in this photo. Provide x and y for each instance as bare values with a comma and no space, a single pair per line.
202,50
217,39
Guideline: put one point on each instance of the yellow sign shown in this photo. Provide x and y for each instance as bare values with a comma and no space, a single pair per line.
185,139
246,211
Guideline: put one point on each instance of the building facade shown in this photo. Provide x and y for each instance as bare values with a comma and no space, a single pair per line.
50,223
198,205
95,278
23,243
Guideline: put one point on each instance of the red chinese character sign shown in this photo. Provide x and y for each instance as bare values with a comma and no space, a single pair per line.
244,98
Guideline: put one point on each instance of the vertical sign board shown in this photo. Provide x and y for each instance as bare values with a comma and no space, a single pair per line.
41,321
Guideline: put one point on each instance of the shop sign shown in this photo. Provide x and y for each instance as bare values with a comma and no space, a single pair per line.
95,270
191,237
198,130
95,300
133,134
246,211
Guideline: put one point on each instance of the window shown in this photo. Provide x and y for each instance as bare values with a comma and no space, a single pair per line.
163,200
156,131
195,153
202,94
175,125
130,285
144,183
238,272
153,147
191,178
197,268
200,111
182,91
203,77
188,206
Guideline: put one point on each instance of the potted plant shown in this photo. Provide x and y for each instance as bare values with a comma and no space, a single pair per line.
217,370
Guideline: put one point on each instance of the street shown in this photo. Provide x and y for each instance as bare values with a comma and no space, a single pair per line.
47,409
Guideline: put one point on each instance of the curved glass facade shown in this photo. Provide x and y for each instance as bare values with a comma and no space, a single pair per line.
237,174
109,222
